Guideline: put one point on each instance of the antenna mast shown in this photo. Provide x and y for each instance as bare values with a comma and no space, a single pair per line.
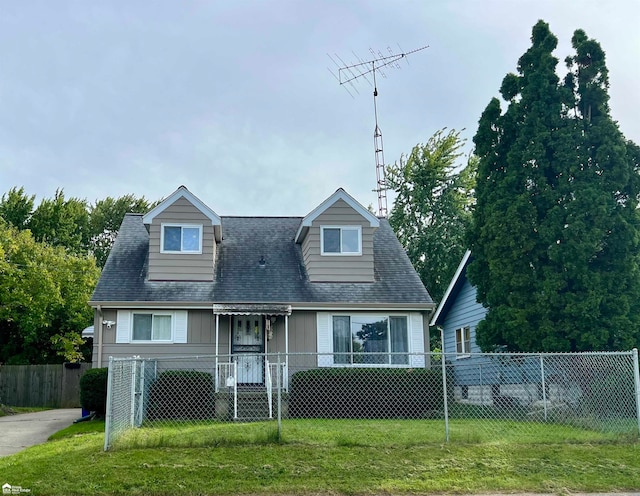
347,75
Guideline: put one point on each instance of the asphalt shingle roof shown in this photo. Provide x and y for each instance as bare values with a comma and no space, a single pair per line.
239,277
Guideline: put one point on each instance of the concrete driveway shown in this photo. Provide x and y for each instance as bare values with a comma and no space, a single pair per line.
18,432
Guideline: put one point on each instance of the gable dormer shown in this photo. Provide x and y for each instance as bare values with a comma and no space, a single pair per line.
337,240
183,238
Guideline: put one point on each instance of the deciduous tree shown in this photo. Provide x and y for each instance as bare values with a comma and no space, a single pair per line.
44,292
106,216
62,222
433,207
16,207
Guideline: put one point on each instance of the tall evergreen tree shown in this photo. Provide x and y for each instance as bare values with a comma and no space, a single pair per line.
555,229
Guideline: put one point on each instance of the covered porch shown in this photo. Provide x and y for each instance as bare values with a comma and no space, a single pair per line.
249,361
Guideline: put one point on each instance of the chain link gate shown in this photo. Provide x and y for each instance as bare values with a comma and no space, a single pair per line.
492,393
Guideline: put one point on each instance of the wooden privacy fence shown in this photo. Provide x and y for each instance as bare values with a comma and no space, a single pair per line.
53,385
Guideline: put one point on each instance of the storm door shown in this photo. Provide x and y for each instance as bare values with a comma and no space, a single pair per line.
247,346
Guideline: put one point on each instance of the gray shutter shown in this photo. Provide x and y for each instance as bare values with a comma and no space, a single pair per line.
180,326
123,326
417,339
325,358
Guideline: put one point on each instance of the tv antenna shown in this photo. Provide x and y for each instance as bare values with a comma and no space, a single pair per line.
348,75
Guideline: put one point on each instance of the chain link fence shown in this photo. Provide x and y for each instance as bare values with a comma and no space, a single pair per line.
479,396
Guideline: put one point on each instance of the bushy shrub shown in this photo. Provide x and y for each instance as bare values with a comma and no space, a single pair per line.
93,390
366,393
181,395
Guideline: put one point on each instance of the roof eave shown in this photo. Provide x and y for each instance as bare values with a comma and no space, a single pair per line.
449,293
314,306
183,192
340,194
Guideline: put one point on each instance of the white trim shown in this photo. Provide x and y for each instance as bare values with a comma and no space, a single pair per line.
153,314
341,253
179,326
321,306
416,339
325,339
340,194
381,307
181,226
464,353
286,337
169,305
182,192
452,284
217,334
123,326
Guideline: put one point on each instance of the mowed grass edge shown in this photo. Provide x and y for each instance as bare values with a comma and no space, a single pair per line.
74,463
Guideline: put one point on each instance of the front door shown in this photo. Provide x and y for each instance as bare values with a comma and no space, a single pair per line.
248,348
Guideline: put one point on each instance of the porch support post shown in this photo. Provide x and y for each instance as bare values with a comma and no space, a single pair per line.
217,332
285,378
286,338
217,335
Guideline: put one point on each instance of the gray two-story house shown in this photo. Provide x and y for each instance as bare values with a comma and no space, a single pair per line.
336,284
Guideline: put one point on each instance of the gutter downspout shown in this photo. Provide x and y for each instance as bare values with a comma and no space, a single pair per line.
99,309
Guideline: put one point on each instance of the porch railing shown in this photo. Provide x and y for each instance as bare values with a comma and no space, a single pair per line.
279,371
226,374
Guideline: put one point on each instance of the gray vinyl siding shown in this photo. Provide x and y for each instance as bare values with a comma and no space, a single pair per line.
465,311
302,332
358,268
201,335
276,343
181,267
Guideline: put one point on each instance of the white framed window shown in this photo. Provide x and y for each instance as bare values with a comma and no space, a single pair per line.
463,341
370,339
152,327
181,238
341,240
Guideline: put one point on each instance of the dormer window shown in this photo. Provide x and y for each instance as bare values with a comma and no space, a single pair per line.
341,240
181,238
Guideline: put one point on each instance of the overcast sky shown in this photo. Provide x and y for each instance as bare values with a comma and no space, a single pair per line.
234,100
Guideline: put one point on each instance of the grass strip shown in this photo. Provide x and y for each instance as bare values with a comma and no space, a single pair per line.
74,463
15,410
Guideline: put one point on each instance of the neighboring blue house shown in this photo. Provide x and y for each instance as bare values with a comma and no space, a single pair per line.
479,379
459,313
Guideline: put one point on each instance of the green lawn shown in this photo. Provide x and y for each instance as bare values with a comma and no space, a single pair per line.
328,457
365,433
